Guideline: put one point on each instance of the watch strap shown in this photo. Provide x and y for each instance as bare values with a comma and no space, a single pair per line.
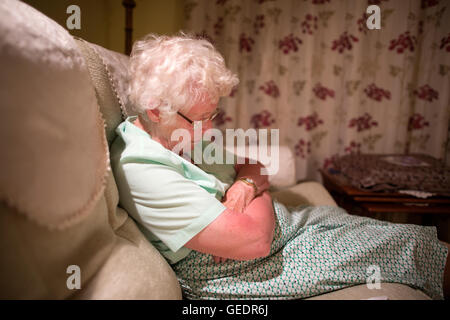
250,182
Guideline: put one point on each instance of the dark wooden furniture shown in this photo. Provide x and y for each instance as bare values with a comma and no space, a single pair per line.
433,211
129,6
372,202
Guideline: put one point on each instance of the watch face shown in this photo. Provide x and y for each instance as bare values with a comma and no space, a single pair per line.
250,180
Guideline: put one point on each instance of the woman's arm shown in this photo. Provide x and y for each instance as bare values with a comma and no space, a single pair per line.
239,236
240,194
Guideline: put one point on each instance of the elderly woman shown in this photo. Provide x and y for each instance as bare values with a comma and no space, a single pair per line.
216,223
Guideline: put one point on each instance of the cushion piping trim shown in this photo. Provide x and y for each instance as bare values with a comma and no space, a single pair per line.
111,82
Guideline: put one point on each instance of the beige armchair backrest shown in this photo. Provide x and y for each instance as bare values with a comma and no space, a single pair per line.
62,234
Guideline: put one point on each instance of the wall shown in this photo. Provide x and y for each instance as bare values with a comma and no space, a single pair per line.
94,17
162,17
149,16
103,21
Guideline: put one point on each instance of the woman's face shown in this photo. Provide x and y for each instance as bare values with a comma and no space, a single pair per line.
199,112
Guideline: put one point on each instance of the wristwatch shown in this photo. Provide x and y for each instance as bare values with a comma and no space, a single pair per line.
251,183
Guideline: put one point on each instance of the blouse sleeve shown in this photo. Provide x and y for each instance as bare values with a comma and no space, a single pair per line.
165,202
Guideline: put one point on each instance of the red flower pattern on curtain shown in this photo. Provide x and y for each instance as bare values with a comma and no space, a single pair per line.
417,122
404,42
361,22
271,89
322,92
376,93
426,93
429,3
262,119
289,43
445,43
302,148
354,147
310,122
259,23
363,122
309,24
331,85
345,42
245,43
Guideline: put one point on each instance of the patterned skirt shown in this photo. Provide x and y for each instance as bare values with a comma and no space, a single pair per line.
321,249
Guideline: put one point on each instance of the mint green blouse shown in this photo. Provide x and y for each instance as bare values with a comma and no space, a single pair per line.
170,198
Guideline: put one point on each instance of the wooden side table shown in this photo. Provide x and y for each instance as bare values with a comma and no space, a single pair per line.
370,204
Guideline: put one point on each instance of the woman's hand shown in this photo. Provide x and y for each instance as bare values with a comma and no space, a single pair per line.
238,196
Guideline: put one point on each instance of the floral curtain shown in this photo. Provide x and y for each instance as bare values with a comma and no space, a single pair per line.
313,70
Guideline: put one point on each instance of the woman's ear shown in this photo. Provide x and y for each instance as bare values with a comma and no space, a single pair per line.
153,115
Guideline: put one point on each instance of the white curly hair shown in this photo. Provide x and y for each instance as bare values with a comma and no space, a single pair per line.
174,73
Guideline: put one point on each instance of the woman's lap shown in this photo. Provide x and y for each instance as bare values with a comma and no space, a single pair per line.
318,250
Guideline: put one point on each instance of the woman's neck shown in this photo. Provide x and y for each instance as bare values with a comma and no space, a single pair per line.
141,126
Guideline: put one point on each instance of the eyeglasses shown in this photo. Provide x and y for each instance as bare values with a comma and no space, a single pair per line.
211,117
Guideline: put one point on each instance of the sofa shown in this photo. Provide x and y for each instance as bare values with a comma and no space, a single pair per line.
62,233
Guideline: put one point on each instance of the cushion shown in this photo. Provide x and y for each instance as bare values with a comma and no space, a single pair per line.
55,156
115,263
387,291
133,269
311,193
281,166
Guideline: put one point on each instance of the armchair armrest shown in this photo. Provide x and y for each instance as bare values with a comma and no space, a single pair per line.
311,192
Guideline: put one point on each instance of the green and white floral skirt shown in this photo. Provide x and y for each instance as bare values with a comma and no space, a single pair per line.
317,250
